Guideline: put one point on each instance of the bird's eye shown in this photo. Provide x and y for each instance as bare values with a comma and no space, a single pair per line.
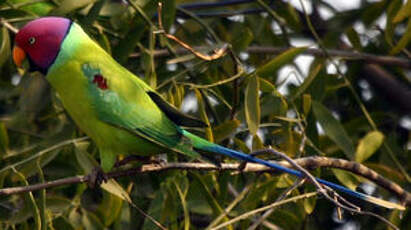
32,40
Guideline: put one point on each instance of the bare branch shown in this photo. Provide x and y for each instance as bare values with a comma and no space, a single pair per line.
273,205
10,27
287,192
388,86
351,55
217,53
306,162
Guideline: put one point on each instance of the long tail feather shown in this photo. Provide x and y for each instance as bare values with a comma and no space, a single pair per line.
205,145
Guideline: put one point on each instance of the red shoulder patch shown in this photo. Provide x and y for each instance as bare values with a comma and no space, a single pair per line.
100,81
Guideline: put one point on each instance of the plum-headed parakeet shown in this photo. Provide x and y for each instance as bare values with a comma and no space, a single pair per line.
120,112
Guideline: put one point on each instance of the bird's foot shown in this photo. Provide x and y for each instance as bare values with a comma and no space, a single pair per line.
96,177
131,158
211,159
243,164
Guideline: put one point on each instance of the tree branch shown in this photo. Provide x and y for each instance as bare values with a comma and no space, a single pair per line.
366,57
388,86
207,5
307,162
6,24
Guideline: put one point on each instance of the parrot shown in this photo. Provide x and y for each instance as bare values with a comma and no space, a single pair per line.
117,109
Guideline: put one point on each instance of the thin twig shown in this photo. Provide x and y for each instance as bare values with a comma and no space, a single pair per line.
287,192
160,226
223,14
8,26
217,53
237,199
232,78
351,55
201,22
255,211
207,5
22,4
44,151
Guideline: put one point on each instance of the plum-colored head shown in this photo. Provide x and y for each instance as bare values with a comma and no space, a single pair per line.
40,40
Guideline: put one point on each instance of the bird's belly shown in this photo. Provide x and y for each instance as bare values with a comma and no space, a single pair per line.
116,140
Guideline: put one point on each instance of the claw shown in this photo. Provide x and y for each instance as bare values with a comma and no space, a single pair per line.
243,164
97,177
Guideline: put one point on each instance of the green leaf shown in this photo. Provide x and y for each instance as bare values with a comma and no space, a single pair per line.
110,207
41,199
115,188
209,196
68,6
317,67
373,12
225,129
243,39
252,104
203,114
309,203
273,105
136,29
30,201
84,159
94,12
287,219
169,13
4,46
57,204
91,222
349,180
270,68
354,38
403,42
41,8
29,168
257,143
182,194
266,86
241,145
333,129
403,13
392,10
103,41
368,145
306,104
284,181
4,139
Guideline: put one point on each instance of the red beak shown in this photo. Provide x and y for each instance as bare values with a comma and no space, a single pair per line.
18,55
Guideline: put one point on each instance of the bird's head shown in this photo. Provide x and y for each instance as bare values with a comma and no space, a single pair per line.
39,41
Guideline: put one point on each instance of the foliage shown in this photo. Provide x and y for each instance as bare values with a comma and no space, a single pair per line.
247,97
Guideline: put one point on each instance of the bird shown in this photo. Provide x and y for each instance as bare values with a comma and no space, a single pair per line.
118,110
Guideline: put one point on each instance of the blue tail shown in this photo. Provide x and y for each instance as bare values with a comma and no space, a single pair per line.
211,147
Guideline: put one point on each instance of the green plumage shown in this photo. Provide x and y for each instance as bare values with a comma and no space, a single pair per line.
122,119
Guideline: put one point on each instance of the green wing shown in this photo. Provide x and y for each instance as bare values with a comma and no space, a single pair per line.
125,104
